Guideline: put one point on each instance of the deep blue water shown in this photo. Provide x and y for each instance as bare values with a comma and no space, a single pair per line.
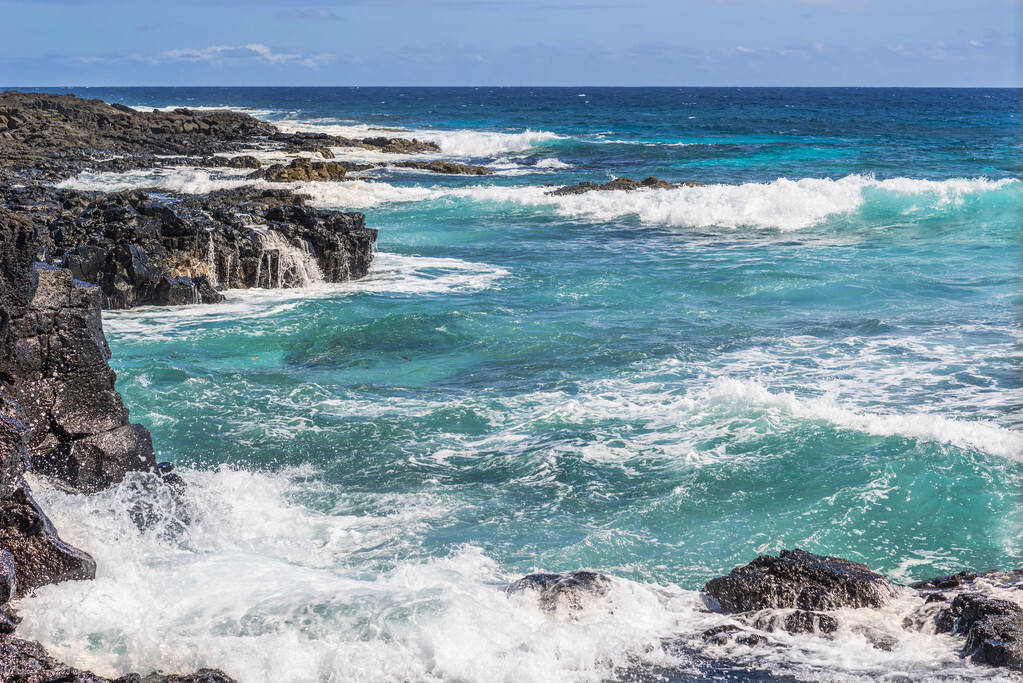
820,347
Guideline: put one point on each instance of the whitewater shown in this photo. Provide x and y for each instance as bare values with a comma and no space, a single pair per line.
819,346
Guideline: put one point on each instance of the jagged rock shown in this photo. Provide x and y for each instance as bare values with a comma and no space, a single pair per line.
324,152
79,426
450,167
626,184
799,579
567,592
993,629
40,557
301,170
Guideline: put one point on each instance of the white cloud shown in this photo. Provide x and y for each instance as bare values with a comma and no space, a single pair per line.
217,54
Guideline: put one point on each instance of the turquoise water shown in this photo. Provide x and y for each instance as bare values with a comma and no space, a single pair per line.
819,348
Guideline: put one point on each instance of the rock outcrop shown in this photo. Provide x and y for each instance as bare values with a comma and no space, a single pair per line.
801,580
315,142
54,135
624,184
566,593
300,170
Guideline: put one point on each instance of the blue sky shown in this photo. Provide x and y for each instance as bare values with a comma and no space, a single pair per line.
511,42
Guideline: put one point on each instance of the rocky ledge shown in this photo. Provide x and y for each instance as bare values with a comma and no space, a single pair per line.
798,592
624,184
144,249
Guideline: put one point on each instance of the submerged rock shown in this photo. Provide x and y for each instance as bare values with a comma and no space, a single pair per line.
26,661
624,184
566,593
315,142
799,579
450,167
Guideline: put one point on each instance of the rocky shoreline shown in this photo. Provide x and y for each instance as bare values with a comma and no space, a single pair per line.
798,592
65,255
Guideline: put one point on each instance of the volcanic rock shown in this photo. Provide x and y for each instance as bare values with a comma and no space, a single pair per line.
799,579
450,167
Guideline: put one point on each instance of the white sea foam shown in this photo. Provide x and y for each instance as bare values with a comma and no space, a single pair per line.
269,589
459,143
552,163
970,434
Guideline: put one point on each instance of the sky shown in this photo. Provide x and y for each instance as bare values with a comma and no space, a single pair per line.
512,42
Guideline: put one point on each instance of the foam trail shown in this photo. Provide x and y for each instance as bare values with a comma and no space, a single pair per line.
781,204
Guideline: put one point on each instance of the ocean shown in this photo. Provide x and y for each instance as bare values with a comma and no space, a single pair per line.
820,347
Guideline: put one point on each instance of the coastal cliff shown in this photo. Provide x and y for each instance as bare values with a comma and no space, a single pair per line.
64,256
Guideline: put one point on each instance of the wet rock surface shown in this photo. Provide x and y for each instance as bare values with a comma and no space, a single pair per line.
801,580
564,593
623,184
449,167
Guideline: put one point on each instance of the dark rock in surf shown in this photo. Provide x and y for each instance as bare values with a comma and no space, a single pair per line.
80,431
26,661
448,167
622,184
801,580
315,142
566,592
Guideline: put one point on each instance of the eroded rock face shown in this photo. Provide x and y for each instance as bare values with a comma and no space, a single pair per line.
142,250
625,184
565,593
79,426
799,579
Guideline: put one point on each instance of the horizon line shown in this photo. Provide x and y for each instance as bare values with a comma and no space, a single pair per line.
549,87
